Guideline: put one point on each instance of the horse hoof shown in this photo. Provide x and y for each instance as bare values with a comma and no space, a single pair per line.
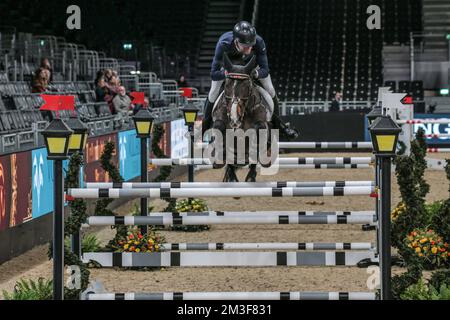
218,166
266,165
250,179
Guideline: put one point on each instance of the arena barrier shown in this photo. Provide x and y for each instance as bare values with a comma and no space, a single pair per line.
165,193
279,161
278,184
234,296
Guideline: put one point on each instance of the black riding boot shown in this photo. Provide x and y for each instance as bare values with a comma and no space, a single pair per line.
207,117
277,123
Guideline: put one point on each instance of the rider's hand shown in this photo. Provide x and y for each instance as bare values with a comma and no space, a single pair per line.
254,74
225,73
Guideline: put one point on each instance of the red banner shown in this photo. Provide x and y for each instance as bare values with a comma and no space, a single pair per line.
407,100
138,97
57,103
187,92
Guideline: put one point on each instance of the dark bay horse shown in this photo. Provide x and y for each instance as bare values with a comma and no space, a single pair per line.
241,106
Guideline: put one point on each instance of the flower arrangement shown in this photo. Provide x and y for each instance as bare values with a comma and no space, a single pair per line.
191,205
136,242
400,209
427,244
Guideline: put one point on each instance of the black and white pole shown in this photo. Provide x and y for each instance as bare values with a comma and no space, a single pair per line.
144,178
58,232
56,136
385,228
191,152
384,133
143,121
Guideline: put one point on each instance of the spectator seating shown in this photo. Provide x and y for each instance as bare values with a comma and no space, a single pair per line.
317,47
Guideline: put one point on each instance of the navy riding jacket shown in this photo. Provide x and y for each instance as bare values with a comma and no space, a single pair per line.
226,44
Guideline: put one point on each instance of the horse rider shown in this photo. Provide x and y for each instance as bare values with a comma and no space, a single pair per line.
240,44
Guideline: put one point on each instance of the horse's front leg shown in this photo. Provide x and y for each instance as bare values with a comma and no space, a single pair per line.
220,127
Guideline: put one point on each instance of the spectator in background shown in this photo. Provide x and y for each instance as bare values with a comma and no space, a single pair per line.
108,73
182,83
336,103
121,102
40,81
100,89
45,64
432,107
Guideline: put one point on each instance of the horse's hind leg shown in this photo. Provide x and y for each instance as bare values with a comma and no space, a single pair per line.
230,174
251,175
220,126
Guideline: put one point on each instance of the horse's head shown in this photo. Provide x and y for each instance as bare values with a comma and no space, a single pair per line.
238,89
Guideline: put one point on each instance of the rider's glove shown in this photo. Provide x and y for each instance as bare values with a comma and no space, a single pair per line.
254,74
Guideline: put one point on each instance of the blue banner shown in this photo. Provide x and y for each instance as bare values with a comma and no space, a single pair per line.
428,128
433,128
129,155
42,182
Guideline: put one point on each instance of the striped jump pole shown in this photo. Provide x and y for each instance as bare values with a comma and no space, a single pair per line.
437,135
164,193
234,296
302,166
228,259
325,145
269,213
280,161
438,150
176,219
267,246
263,184
424,121
316,145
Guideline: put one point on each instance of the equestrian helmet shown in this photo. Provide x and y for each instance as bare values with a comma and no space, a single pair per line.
245,34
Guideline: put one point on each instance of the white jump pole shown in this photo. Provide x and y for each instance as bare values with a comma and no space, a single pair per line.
269,213
175,219
280,161
302,166
316,145
267,246
234,296
424,121
263,184
164,193
438,150
229,259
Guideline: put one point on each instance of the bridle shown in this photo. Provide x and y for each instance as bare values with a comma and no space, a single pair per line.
236,106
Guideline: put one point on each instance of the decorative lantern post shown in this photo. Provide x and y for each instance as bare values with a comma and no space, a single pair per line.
384,133
57,136
143,121
190,114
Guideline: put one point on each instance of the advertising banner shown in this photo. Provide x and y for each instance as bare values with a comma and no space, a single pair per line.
429,128
42,182
5,191
93,171
179,144
21,207
129,155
